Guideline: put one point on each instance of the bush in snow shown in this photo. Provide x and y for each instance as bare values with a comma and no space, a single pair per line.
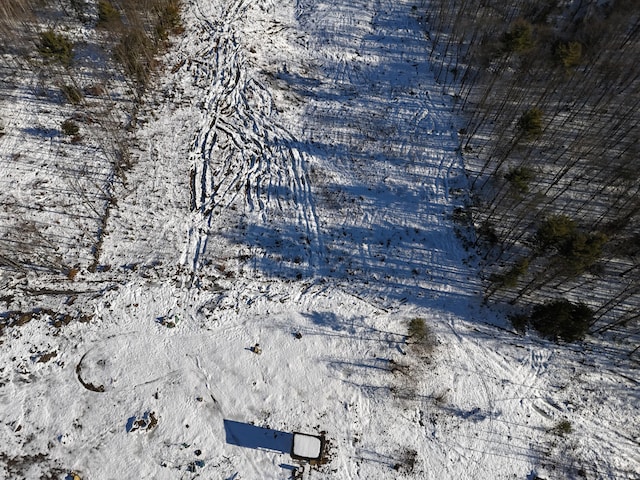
530,123
107,14
420,334
418,330
563,427
569,54
519,37
56,47
561,319
519,178
70,128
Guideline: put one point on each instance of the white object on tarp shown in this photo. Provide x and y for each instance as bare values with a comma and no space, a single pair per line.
306,446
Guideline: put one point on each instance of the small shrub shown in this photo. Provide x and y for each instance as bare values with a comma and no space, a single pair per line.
71,93
420,334
561,428
519,322
408,461
418,330
70,128
108,15
530,123
135,53
519,38
462,215
561,319
57,47
520,178
487,231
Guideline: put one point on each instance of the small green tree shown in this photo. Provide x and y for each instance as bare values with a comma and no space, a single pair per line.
509,279
135,53
562,428
519,37
554,232
71,93
56,47
569,54
418,329
520,177
420,334
530,123
169,20
582,250
561,319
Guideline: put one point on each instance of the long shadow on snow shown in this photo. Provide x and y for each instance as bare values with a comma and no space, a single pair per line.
387,234
258,438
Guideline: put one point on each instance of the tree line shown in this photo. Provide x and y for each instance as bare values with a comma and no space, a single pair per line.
550,93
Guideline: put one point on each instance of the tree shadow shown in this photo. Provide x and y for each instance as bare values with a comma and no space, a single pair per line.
42,132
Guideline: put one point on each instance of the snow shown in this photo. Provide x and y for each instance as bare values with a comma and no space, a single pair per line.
306,446
293,187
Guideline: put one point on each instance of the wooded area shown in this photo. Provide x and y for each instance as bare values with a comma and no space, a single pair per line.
550,94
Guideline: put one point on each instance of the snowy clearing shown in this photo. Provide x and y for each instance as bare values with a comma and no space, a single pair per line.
293,187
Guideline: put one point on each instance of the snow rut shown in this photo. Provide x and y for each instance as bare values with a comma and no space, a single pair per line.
241,157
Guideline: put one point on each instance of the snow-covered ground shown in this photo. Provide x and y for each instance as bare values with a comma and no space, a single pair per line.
294,181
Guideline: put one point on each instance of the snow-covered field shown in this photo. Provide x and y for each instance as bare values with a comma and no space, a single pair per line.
294,181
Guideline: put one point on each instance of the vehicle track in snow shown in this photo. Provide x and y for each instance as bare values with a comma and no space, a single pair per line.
242,158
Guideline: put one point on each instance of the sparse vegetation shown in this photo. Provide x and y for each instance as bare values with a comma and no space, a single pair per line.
420,334
554,232
135,53
569,54
519,37
563,75
108,15
520,178
510,278
582,251
169,21
418,330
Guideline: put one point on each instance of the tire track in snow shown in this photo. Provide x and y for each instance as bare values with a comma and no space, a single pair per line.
241,156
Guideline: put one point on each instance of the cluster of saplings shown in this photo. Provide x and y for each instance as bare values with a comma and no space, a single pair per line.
551,99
